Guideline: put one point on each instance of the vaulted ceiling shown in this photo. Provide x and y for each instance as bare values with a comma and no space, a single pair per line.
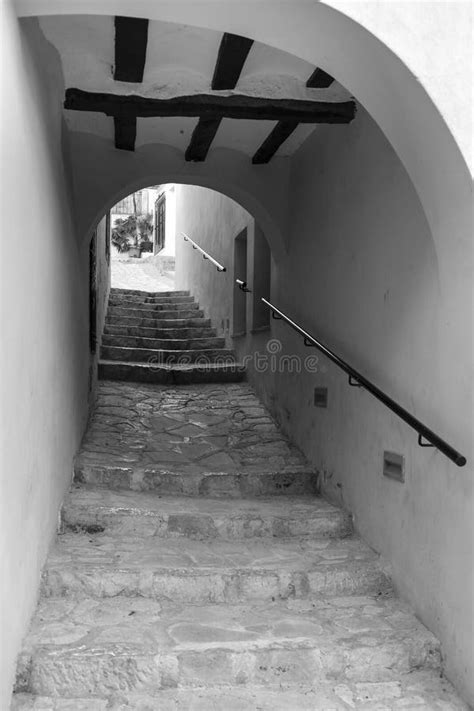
137,82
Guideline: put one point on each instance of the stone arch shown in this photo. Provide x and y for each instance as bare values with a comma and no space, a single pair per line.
391,92
103,177
393,87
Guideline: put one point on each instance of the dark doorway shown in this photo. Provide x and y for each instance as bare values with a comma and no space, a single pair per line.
160,224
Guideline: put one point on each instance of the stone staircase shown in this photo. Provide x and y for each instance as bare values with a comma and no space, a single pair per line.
198,570
163,337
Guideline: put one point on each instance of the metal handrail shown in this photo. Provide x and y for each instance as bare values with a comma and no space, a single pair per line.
358,380
205,255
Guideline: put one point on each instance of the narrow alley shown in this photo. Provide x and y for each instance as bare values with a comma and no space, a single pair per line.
236,385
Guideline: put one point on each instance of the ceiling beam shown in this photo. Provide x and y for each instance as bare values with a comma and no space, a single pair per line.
131,37
210,106
202,138
319,79
125,133
233,51
272,143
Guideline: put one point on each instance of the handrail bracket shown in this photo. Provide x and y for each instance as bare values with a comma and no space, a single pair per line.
426,437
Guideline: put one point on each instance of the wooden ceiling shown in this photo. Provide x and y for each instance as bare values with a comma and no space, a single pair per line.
131,39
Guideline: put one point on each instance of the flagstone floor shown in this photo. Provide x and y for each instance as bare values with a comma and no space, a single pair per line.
140,274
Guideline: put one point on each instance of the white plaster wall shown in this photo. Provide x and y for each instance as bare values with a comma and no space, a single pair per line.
44,360
103,176
362,273
170,225
434,39
103,281
422,133
212,220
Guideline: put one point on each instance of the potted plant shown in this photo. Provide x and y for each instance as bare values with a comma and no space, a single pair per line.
132,235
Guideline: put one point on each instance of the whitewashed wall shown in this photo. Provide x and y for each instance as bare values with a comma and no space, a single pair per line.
212,221
45,358
408,64
362,274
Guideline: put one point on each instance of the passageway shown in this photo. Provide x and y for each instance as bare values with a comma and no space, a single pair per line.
308,152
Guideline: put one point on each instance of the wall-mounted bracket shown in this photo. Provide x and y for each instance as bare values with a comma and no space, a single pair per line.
353,382
423,444
309,344
276,317
243,286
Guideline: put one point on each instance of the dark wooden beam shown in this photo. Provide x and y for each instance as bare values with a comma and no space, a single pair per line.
210,106
131,37
125,133
202,138
319,79
232,54
272,143
231,58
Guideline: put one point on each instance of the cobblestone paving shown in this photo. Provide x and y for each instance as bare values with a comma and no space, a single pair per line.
139,275
197,601
187,429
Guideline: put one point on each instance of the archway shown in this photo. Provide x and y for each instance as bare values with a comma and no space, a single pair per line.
390,91
103,177
403,109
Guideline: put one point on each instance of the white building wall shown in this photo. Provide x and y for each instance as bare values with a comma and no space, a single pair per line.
362,274
431,40
44,311
170,227
213,221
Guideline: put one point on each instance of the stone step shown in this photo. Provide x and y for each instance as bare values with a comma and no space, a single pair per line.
205,356
169,479
138,301
199,440
167,344
151,308
214,571
160,333
143,294
163,322
171,374
137,514
187,311
416,691
80,647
